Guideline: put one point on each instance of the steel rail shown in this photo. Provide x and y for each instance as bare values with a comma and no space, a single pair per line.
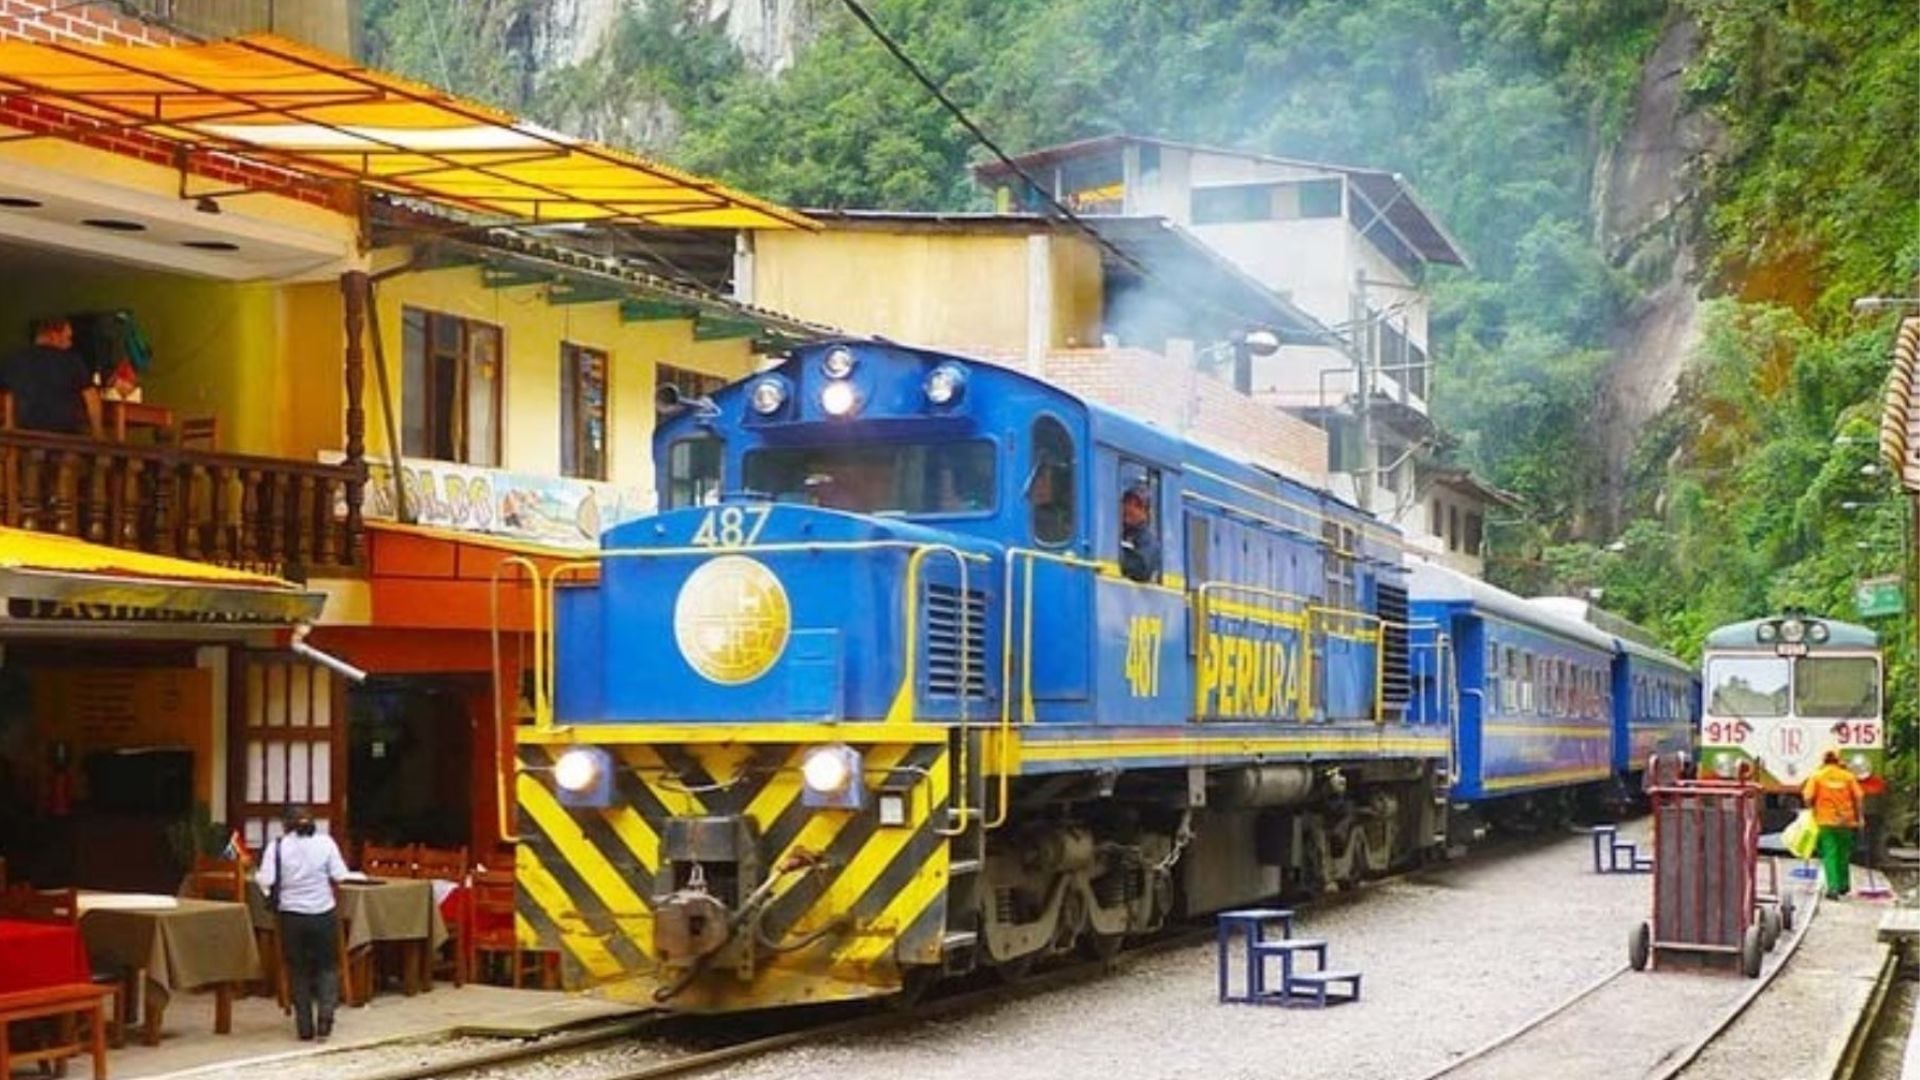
1669,1067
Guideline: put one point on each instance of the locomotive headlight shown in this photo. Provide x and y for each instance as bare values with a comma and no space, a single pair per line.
1767,633
839,398
1793,631
1726,766
577,769
1817,633
945,384
1859,766
767,396
829,776
839,362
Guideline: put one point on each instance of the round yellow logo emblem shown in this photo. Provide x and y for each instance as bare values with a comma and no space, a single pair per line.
731,619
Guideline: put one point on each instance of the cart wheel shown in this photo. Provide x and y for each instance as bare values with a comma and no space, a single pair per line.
1786,915
1751,952
1640,946
1769,927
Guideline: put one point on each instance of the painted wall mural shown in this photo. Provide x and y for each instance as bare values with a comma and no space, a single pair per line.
544,509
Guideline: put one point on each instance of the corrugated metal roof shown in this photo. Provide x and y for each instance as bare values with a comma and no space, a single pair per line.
1900,414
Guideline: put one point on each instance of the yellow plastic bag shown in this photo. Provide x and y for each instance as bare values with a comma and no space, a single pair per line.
1801,835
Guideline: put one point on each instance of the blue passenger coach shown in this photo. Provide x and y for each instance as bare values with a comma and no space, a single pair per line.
927,665
1532,698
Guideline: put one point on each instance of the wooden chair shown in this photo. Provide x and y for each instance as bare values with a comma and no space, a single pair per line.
216,879
68,1007
378,861
491,906
450,864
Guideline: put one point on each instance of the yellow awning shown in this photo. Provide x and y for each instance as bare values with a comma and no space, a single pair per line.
274,101
58,577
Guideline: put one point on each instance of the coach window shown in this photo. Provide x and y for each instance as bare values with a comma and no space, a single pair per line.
1050,484
1510,686
693,472
1139,530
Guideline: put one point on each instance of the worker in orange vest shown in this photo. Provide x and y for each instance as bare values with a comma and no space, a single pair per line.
1835,797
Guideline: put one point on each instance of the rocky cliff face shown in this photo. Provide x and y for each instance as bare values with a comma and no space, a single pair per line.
1643,210
767,32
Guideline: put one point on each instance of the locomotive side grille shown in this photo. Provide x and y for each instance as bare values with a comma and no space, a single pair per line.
946,654
1397,681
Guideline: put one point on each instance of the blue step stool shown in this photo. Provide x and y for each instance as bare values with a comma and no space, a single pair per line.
1606,839
1320,986
1324,988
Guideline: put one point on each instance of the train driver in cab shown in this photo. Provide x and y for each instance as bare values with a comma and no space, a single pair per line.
1139,542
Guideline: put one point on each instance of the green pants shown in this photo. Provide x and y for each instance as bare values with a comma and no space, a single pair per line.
1836,854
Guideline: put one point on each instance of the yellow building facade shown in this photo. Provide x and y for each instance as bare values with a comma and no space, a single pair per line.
978,284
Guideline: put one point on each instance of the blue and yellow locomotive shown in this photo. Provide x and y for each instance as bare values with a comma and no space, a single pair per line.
926,665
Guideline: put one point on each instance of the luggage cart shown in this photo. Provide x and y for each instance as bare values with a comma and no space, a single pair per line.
1706,845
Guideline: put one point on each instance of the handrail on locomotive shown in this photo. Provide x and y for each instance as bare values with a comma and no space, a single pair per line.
1312,620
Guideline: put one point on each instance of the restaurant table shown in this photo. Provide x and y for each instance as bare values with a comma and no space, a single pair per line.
41,954
395,910
181,944
121,415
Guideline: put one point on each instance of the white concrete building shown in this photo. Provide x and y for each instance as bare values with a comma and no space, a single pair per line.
1348,246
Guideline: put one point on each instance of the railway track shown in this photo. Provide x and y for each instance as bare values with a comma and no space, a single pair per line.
1615,1022
660,1045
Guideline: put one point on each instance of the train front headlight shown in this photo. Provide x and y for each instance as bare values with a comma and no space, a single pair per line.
767,396
830,776
1859,766
583,778
1817,633
839,362
839,399
1767,633
945,384
1793,631
577,769
1726,766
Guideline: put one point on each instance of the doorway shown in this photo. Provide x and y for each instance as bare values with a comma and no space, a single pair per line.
411,759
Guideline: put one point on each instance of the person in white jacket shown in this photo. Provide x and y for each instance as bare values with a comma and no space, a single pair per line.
305,863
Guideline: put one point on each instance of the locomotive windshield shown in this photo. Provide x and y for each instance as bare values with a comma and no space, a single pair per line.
885,478
1837,686
1747,686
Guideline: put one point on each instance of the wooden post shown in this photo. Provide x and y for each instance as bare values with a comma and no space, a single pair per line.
353,291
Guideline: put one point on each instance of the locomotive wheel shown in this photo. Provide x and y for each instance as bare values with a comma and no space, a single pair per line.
1015,971
1102,947
914,984
1751,952
1640,946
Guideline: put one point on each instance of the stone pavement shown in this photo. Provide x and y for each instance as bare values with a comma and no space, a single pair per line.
189,1048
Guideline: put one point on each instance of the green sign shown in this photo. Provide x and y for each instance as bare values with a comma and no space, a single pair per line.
1879,596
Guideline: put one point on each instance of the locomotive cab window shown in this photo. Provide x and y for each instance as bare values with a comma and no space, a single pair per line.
916,479
1049,488
1139,514
693,472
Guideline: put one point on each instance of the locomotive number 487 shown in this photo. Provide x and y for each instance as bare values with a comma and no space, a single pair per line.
1143,655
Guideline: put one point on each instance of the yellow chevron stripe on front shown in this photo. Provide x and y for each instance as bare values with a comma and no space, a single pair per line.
635,833
928,883
867,864
824,825
580,852
781,789
561,909
665,784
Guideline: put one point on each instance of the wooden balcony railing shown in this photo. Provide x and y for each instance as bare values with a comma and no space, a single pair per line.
289,518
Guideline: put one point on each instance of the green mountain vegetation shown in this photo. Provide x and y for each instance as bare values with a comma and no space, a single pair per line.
1750,493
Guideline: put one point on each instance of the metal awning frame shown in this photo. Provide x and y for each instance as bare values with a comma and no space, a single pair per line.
115,110
218,603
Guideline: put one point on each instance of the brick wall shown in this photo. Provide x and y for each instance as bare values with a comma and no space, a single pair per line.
96,24
93,24
1170,394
